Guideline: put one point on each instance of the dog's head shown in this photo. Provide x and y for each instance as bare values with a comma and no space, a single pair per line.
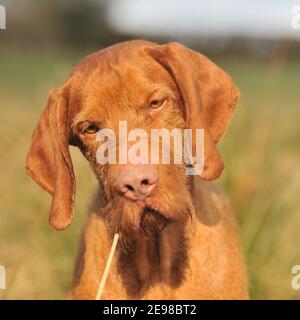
148,86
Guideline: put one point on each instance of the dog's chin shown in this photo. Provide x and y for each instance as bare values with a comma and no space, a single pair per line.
144,221
153,222
149,220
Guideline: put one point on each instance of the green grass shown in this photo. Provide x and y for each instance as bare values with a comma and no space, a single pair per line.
262,177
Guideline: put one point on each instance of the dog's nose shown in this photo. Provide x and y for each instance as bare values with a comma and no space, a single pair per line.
137,182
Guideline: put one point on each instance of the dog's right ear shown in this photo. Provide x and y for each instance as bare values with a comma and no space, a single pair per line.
49,162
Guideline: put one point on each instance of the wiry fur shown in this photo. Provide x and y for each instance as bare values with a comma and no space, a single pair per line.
180,243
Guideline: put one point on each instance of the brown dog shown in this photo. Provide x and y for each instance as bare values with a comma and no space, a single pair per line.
178,238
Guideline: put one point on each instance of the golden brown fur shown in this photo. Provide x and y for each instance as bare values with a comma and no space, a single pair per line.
179,243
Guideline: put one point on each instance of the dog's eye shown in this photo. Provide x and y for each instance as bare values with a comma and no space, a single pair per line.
157,103
90,129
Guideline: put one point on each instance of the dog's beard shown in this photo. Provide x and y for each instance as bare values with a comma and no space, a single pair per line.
132,220
153,222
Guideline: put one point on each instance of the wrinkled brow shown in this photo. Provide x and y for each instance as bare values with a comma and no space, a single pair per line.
154,90
161,90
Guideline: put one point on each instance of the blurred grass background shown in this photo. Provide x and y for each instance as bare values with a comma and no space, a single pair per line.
261,152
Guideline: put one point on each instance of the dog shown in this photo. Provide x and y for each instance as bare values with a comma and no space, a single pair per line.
178,236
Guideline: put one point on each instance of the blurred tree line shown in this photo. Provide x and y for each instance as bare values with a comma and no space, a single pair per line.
56,22
85,24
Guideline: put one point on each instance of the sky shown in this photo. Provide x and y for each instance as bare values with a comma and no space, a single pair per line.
255,18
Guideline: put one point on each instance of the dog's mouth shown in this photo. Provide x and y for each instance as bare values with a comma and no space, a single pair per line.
155,215
153,222
145,220
149,217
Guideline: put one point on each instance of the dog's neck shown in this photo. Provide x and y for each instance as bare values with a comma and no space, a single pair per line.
161,259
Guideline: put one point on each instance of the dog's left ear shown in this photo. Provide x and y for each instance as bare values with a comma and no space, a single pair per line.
49,162
208,95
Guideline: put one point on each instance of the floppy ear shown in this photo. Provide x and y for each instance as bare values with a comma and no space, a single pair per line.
208,95
49,162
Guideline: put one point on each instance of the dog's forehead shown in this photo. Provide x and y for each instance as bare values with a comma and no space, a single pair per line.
116,62
117,75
